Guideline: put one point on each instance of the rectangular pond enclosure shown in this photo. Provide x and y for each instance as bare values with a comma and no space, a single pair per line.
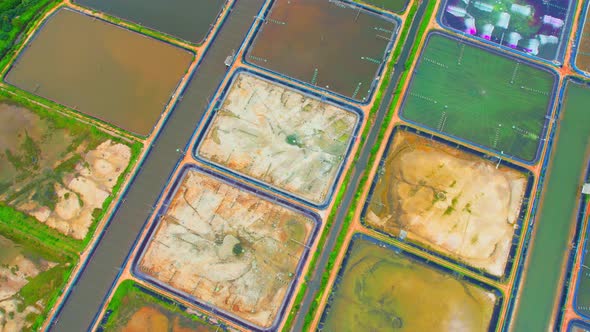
382,288
335,45
188,20
480,96
535,27
227,248
287,139
448,199
101,70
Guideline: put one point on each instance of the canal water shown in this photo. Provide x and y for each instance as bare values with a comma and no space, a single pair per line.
558,211
189,20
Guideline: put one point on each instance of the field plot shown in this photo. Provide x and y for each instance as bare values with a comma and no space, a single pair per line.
448,200
228,248
583,53
282,137
30,276
187,20
57,170
381,290
488,99
331,44
135,309
391,5
536,27
101,70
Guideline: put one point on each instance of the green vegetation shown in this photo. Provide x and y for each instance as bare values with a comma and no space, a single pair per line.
15,16
130,297
31,170
501,105
556,215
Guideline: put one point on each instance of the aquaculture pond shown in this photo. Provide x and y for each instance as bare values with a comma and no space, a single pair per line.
536,27
447,199
390,5
582,299
380,289
289,140
331,44
227,248
557,213
125,79
185,19
136,309
583,52
480,96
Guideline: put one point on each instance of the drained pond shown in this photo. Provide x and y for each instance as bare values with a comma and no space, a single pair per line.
381,290
185,19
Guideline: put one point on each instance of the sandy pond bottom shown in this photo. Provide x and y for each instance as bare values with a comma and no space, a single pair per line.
380,290
57,175
228,248
280,136
450,200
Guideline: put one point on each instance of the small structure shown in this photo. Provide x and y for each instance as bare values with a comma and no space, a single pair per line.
230,58
586,189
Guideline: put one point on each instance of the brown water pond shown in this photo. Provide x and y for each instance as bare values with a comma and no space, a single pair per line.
104,71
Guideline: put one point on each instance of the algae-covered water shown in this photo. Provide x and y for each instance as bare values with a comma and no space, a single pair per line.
557,213
380,290
480,96
102,70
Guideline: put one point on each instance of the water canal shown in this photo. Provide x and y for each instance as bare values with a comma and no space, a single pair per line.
557,213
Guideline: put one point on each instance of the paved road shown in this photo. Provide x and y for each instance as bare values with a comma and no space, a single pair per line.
358,171
96,278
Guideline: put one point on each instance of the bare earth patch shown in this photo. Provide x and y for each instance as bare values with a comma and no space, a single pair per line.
279,136
448,200
228,248
15,272
85,190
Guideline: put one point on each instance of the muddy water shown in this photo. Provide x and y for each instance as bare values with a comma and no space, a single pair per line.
151,318
554,219
380,290
323,43
101,70
185,19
